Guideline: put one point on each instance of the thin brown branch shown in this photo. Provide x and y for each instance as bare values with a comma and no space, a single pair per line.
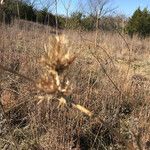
16,73
97,45
105,72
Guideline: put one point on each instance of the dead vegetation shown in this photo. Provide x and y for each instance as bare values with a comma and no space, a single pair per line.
73,74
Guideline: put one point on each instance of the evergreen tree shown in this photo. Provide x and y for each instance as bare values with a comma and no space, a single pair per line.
139,23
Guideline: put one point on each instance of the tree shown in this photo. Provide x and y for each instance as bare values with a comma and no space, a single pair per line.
66,5
1,10
99,8
9,11
45,17
139,23
75,20
17,9
26,11
88,23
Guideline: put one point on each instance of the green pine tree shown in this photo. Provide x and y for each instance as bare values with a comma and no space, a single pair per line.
139,23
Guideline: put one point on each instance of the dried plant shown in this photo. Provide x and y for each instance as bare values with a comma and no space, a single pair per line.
53,81
54,63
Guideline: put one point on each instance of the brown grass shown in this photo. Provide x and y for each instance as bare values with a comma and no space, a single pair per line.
101,79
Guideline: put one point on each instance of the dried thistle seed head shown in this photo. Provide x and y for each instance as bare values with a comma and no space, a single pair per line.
56,59
57,56
48,82
47,87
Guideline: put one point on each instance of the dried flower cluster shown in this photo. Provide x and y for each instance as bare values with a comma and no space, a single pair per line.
53,80
54,62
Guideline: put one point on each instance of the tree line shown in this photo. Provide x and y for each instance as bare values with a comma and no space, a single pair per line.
20,9
138,23
77,20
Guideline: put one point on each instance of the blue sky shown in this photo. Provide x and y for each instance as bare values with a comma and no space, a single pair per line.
126,7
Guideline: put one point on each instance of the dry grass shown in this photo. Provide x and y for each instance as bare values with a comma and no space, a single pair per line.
102,78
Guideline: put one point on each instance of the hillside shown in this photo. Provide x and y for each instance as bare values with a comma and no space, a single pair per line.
110,78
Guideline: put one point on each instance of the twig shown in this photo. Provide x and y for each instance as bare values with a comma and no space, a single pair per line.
16,73
104,70
129,55
97,45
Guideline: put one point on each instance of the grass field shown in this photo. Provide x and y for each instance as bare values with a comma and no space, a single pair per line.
110,77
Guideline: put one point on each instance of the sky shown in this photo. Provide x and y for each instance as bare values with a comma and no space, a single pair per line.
126,7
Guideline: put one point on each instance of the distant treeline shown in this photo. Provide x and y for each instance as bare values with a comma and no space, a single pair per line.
20,9
138,24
